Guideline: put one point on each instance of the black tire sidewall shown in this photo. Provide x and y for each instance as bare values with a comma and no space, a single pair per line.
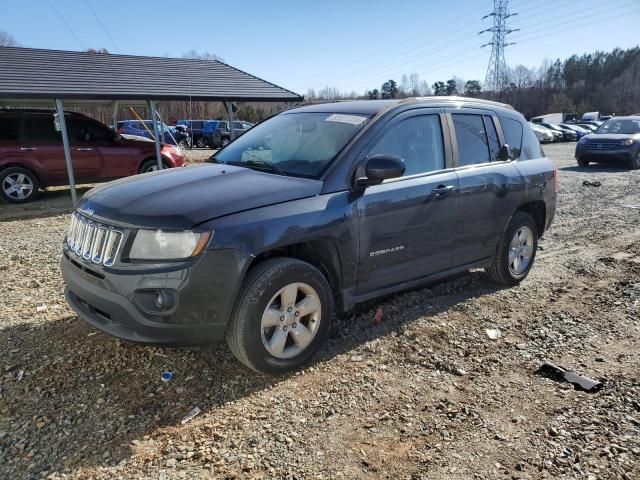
634,163
147,163
253,300
32,177
518,221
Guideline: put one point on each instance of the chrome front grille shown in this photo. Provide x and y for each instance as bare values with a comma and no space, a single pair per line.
93,241
601,146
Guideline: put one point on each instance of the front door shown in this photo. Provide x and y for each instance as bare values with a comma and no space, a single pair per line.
406,224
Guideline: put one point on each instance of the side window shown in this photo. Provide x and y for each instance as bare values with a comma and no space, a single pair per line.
512,130
9,128
41,129
530,145
492,135
196,125
83,131
417,140
473,146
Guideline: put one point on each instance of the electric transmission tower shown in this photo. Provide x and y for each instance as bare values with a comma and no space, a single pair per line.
496,78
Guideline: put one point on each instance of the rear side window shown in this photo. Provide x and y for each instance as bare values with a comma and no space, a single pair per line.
417,140
512,130
530,145
40,129
473,147
9,128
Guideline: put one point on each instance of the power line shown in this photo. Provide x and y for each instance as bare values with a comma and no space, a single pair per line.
66,24
102,26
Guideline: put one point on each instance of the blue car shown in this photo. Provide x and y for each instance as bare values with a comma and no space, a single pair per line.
170,135
196,128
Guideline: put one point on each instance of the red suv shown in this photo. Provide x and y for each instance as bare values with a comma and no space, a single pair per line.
32,156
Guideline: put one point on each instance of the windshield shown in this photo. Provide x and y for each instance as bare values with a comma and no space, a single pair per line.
297,144
620,126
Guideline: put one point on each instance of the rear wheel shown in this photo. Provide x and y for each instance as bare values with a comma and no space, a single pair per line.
224,142
18,185
200,143
282,316
515,252
634,163
583,162
151,166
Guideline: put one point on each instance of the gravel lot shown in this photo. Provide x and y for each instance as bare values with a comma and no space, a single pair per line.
423,394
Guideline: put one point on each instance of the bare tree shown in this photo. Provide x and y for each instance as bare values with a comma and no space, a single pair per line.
7,40
202,56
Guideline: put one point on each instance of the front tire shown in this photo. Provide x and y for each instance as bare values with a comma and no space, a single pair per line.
151,166
583,162
282,316
516,251
634,163
224,142
18,185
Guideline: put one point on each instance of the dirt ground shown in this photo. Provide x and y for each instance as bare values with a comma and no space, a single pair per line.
423,394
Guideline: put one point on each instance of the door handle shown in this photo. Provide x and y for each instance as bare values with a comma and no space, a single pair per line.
87,149
442,190
27,149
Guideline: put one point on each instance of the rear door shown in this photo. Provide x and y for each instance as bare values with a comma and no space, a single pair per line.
489,186
407,223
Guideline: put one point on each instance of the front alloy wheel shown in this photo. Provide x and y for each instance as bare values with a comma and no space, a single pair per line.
291,320
282,315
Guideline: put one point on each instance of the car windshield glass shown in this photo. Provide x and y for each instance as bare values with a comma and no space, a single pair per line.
297,144
626,126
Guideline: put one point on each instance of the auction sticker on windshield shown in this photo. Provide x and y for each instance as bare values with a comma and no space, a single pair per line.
351,119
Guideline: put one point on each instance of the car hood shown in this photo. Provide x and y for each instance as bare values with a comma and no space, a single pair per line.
610,137
182,198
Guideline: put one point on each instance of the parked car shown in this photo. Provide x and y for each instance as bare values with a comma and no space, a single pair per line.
588,127
144,128
195,129
590,117
32,155
216,133
543,134
580,132
568,135
311,212
616,139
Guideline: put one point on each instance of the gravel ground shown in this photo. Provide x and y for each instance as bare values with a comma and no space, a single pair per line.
423,394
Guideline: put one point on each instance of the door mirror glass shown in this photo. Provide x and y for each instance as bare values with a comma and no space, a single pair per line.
381,167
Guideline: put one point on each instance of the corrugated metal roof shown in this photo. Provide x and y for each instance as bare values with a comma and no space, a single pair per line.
28,73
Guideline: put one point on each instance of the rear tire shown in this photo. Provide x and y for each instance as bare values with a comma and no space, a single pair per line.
273,330
583,163
151,166
18,185
516,251
200,143
224,142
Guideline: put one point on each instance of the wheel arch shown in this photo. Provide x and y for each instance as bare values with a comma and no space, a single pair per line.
537,209
41,180
321,253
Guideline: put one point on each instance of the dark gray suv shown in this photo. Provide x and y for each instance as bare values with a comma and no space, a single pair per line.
305,215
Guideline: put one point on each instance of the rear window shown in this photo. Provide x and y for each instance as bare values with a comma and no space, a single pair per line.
9,128
512,130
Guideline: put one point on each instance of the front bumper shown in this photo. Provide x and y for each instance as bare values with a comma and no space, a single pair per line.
619,154
205,293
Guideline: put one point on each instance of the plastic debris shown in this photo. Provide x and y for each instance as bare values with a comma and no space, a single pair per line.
494,333
635,207
192,413
378,318
20,375
166,376
587,183
559,374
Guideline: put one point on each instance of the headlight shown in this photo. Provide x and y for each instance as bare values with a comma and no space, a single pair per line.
167,245
628,141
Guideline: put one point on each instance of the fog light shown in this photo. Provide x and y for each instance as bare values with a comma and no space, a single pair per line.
159,301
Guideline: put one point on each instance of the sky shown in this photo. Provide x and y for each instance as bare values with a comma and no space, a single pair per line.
353,45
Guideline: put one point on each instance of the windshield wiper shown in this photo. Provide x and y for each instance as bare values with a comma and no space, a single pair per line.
264,164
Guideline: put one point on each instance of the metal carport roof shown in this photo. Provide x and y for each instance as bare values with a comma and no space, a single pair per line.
28,73
30,77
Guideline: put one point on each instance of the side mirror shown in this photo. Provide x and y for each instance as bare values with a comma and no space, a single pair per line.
379,168
505,153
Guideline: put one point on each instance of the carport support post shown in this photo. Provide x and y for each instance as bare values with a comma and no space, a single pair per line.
156,131
229,107
67,150
114,119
